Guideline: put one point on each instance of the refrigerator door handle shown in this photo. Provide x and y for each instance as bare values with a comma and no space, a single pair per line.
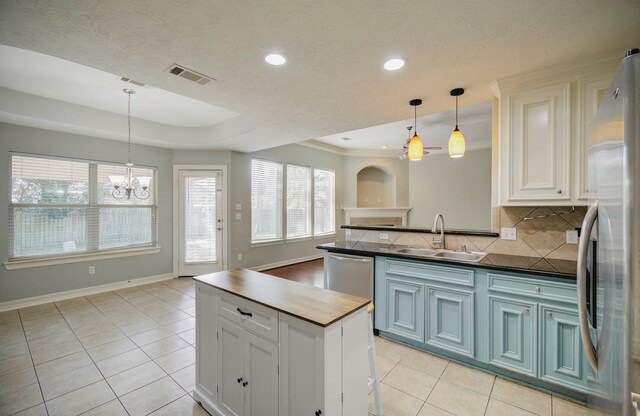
583,247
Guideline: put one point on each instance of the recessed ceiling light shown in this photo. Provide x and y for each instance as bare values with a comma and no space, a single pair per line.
385,146
394,64
275,59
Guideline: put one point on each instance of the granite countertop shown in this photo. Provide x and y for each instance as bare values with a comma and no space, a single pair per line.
563,269
402,229
313,304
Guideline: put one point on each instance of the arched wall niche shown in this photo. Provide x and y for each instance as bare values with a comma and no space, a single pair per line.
376,187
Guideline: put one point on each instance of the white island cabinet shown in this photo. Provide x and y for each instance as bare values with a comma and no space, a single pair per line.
268,346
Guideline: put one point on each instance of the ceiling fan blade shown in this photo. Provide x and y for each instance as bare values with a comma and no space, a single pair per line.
432,148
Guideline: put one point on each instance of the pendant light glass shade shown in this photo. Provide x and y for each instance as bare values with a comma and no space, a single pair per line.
415,150
457,145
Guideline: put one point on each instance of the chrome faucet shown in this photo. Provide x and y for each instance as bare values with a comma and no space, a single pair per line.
434,229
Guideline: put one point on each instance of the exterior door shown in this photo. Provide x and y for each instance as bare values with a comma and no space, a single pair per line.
201,222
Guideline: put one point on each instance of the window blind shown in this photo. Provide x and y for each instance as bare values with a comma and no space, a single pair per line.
324,204
266,200
63,206
298,201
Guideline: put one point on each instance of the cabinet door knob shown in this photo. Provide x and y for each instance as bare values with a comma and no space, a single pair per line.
537,290
559,191
431,290
240,380
245,384
526,310
549,314
318,412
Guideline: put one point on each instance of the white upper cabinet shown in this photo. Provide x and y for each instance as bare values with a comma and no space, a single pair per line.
545,121
540,144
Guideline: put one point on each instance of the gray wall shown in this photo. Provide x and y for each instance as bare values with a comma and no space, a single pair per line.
24,283
240,179
460,189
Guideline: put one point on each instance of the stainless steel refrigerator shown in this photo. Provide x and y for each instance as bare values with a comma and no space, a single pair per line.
609,249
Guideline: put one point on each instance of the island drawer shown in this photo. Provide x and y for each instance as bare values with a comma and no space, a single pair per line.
456,275
251,316
541,289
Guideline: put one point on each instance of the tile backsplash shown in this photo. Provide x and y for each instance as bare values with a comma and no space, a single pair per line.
542,239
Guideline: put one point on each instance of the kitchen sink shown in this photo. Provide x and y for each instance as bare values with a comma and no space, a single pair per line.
427,252
472,257
460,255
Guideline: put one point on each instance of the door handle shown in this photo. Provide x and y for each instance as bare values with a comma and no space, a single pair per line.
356,260
581,279
241,312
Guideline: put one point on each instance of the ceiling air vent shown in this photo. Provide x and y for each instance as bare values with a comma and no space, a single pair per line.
189,74
133,81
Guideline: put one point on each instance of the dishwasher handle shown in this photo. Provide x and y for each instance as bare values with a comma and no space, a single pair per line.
353,259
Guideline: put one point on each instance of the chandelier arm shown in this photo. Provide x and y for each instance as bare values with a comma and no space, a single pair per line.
118,194
141,194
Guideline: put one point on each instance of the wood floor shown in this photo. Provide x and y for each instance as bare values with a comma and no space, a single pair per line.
309,272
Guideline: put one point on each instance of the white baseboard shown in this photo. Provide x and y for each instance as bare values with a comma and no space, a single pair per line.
286,262
92,290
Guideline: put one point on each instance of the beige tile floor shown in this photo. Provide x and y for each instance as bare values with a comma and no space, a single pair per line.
417,383
131,352
128,352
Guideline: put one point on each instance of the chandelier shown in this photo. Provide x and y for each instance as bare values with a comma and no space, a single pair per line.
125,186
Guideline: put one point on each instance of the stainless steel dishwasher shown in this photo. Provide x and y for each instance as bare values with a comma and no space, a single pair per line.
349,274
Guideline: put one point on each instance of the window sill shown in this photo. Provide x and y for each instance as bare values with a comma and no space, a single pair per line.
299,239
77,258
324,236
267,243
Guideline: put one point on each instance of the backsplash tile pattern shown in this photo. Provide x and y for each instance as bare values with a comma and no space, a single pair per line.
542,240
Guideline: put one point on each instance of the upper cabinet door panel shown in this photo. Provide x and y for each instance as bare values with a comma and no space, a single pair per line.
539,161
590,93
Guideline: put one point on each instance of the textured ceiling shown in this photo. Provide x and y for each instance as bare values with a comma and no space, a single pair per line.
334,81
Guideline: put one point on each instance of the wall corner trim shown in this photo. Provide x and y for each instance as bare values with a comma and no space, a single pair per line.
91,290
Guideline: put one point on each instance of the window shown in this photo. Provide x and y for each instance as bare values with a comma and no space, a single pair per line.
266,200
298,201
309,197
64,206
324,202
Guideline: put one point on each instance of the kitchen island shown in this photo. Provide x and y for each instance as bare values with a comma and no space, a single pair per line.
269,346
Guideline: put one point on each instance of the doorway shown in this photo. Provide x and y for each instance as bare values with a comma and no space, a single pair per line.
200,220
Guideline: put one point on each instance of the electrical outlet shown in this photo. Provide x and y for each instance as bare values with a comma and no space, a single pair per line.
572,236
240,257
384,236
508,233
92,269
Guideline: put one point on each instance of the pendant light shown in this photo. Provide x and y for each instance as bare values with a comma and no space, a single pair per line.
415,150
456,140
125,186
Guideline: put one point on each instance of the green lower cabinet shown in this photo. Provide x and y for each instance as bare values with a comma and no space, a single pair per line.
512,334
405,308
450,319
562,358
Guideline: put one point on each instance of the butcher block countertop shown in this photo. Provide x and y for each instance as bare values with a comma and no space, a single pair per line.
315,305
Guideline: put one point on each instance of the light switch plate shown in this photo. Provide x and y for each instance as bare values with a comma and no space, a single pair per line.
384,236
572,236
238,216
508,233
238,207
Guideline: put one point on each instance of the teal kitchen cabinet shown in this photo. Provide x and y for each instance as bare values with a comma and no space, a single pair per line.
450,323
512,334
405,308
